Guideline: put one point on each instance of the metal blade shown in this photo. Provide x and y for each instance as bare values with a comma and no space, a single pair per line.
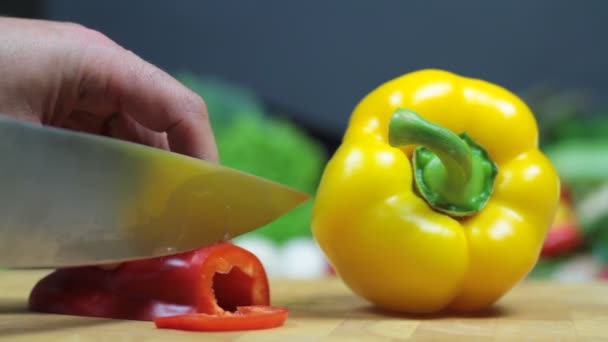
70,198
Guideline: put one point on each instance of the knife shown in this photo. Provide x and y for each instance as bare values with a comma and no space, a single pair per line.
70,198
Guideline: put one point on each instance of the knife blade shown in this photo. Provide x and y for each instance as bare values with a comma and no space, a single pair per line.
70,198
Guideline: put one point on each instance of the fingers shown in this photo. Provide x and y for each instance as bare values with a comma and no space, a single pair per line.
154,99
66,75
124,127
84,122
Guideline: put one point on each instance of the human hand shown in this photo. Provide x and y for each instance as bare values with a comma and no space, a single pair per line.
65,75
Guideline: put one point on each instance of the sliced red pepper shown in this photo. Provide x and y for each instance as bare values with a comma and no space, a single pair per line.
244,318
213,280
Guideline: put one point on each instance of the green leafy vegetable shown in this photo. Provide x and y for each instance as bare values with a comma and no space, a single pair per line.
255,141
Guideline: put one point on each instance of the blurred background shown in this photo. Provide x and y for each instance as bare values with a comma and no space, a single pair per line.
281,78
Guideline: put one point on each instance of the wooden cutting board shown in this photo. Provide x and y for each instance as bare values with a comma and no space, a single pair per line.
325,309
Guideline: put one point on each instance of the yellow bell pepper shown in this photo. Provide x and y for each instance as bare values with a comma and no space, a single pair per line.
438,198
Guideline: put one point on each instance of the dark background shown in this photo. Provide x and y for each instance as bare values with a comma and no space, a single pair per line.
315,59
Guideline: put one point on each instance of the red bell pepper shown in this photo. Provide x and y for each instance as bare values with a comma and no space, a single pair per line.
565,234
215,280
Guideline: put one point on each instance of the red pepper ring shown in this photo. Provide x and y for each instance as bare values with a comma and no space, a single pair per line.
212,280
244,318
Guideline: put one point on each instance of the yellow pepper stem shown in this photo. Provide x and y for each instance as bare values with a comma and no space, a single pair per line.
452,173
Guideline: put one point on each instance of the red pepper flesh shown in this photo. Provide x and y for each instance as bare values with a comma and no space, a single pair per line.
213,280
565,235
244,318
561,239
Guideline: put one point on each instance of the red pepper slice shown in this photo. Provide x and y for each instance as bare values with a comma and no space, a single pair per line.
244,318
214,280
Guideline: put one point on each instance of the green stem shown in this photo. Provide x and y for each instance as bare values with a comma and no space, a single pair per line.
452,172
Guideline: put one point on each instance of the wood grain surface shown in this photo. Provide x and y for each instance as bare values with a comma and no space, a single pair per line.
326,310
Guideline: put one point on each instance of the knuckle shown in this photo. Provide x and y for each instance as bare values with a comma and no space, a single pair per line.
95,35
87,34
197,104
74,26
